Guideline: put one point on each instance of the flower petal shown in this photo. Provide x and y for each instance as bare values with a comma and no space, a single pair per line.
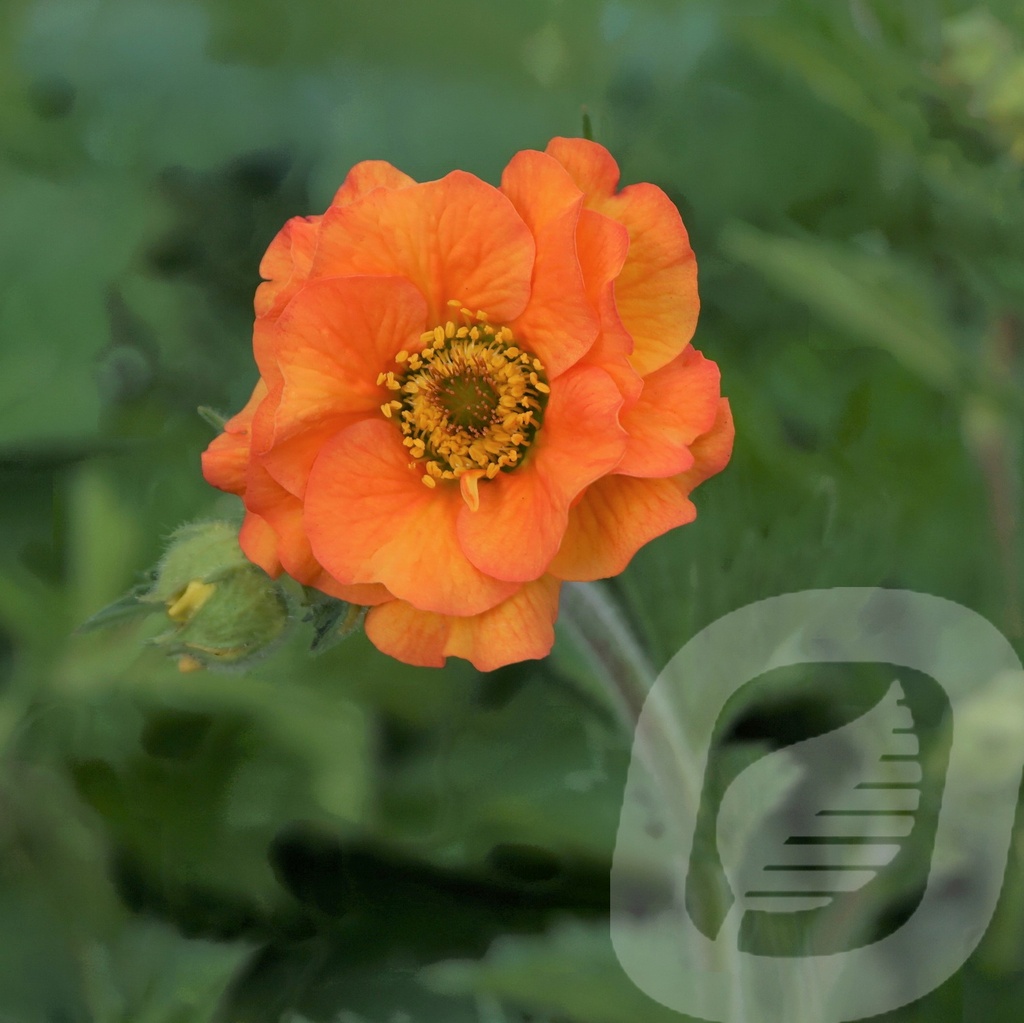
364,177
559,324
523,514
226,458
225,461
288,547
518,629
619,514
290,461
457,238
329,349
259,543
712,451
656,293
615,518
589,164
369,519
602,245
286,264
678,403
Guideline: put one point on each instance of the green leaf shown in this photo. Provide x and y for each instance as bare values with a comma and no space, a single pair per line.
545,769
877,297
151,974
571,972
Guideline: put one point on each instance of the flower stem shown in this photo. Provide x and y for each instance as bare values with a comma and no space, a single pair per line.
626,676
648,718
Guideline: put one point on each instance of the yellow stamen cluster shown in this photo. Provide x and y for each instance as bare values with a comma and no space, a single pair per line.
468,403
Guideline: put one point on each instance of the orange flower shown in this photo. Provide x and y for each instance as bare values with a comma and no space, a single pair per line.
469,394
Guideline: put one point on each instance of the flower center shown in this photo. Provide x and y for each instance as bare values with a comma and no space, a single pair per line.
469,403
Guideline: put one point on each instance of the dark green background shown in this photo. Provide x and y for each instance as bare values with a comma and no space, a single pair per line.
347,838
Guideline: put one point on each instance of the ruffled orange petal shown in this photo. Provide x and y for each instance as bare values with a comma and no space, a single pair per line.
457,238
286,264
522,515
589,164
226,459
678,404
290,461
364,177
559,324
329,349
712,451
619,514
656,293
602,245
518,629
615,518
259,543
287,545
370,519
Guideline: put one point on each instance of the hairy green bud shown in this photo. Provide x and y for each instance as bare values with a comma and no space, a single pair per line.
223,610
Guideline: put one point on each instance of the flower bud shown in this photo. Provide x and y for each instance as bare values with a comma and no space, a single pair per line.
225,610
195,552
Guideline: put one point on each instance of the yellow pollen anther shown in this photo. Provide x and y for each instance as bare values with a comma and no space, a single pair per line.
386,409
381,377
401,356
439,335
454,303
429,482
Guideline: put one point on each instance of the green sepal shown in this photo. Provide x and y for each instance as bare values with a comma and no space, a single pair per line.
333,620
588,125
128,606
216,419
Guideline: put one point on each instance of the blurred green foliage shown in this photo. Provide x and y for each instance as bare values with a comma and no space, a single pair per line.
347,838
